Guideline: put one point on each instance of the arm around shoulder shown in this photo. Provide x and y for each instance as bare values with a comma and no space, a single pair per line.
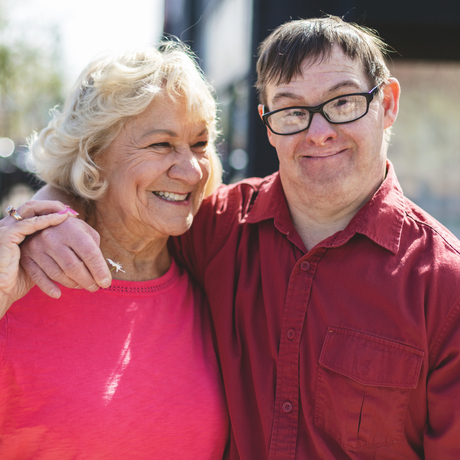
48,192
68,254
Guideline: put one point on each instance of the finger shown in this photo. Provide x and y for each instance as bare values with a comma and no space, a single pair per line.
38,276
69,252
18,230
37,208
53,271
62,266
94,261
73,268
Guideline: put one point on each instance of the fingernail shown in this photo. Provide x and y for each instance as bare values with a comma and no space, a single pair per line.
65,211
105,283
55,294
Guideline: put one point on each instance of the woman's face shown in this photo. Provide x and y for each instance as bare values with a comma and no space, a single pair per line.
156,169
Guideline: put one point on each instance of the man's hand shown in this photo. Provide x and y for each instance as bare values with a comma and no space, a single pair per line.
30,218
68,254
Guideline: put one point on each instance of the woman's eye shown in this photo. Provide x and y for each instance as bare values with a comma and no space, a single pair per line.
200,146
162,146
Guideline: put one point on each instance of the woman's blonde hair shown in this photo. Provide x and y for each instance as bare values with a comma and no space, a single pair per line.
109,91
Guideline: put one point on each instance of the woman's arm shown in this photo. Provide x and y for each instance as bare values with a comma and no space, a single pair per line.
36,215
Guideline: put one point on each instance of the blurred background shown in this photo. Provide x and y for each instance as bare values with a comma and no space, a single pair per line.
44,44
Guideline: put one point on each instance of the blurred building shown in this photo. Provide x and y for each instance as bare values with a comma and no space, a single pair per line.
426,37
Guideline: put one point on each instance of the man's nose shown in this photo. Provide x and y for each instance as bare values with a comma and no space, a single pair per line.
320,130
186,167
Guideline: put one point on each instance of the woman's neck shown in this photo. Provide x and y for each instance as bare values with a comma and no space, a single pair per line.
150,263
142,257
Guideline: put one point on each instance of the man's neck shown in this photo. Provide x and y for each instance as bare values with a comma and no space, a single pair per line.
313,229
317,222
318,213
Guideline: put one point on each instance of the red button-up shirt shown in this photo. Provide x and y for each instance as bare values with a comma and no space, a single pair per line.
349,350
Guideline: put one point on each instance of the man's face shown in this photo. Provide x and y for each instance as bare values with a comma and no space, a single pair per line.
333,167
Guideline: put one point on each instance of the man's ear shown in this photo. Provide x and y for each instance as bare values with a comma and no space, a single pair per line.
260,108
391,92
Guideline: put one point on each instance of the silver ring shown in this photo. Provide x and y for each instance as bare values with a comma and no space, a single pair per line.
13,213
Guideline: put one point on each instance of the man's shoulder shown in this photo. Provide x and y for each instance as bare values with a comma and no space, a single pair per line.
436,236
234,198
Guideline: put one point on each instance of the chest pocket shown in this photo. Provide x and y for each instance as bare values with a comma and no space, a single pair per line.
363,388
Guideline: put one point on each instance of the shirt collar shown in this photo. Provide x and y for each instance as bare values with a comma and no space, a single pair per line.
380,219
270,203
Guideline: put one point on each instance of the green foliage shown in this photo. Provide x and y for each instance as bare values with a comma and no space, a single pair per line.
31,82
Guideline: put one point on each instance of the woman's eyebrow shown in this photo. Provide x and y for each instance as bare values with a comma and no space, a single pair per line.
160,131
170,133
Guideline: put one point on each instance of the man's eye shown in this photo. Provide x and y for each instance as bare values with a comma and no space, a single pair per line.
295,113
344,104
291,116
341,102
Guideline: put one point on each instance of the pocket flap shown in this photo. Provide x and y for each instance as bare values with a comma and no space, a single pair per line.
371,360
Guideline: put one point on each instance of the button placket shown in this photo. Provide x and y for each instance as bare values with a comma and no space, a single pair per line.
286,419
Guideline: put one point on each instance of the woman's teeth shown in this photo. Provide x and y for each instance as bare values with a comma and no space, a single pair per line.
170,196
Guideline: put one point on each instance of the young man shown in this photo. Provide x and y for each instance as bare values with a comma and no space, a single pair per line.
336,301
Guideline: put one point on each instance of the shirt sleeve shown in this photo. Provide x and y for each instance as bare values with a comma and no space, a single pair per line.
195,248
441,439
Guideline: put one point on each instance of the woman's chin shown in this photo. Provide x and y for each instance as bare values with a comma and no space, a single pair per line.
178,230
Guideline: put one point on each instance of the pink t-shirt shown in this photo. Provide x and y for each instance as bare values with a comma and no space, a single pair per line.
128,372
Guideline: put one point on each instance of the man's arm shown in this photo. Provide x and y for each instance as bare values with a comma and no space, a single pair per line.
441,438
68,253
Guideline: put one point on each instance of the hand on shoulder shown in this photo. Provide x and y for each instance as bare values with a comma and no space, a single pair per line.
30,218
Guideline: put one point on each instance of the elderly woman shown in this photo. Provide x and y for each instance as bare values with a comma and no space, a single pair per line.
128,372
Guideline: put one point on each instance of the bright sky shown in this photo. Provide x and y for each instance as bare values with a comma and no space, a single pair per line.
88,28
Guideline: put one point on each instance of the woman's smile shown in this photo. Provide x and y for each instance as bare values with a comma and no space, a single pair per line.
171,196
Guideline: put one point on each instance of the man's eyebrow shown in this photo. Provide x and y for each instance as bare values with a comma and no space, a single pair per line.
287,95
348,84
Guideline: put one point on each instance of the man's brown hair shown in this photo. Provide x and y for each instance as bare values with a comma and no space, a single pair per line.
283,52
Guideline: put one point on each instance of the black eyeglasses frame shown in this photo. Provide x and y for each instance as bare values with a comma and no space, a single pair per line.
319,109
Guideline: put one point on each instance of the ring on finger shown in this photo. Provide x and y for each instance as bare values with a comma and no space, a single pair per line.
13,213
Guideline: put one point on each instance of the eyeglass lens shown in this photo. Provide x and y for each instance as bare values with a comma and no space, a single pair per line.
339,110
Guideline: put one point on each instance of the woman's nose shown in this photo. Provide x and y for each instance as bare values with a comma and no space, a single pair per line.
186,168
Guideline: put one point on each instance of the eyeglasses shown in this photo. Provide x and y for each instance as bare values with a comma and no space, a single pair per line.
340,109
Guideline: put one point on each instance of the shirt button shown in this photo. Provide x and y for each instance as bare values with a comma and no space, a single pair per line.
290,334
305,265
287,406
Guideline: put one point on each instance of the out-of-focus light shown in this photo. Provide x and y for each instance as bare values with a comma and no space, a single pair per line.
238,159
6,147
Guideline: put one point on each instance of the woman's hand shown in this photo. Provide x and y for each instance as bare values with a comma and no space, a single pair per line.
37,215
